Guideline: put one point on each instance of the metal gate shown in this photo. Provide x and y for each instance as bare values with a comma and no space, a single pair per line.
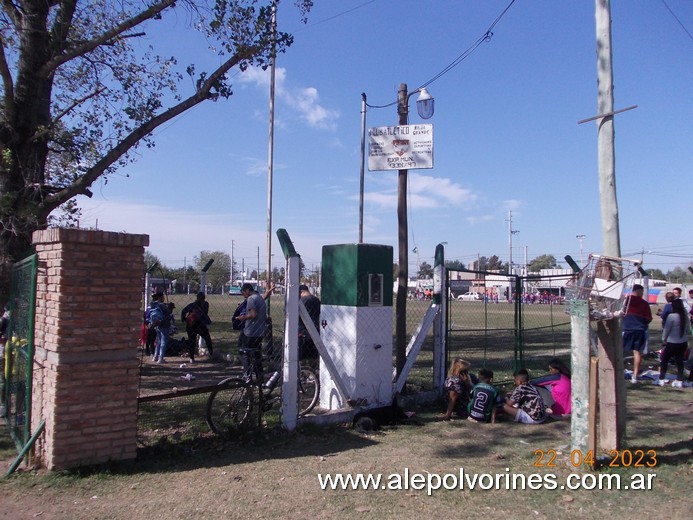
19,350
505,322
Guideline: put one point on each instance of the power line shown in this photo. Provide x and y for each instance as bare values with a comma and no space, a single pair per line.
474,46
677,19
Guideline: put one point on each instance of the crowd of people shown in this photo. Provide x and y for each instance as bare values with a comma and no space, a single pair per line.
477,399
468,394
250,319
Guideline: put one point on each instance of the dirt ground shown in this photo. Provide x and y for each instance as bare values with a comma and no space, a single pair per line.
274,474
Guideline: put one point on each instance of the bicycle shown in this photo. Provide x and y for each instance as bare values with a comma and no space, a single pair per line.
238,402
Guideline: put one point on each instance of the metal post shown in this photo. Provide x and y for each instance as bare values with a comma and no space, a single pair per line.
270,159
363,161
440,297
403,240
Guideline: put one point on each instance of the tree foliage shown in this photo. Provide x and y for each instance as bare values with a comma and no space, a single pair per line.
542,262
79,95
218,273
425,271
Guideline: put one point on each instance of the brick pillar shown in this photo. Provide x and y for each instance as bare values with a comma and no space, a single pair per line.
88,318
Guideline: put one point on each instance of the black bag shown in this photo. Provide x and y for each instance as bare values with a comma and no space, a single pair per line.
237,324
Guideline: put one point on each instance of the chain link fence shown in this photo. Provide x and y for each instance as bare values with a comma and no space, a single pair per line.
505,322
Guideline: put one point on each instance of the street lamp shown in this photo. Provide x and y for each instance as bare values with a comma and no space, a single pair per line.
581,238
424,107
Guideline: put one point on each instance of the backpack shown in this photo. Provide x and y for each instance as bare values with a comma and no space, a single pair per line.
237,324
156,316
192,319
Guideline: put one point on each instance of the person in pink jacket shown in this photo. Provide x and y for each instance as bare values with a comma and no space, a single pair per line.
558,381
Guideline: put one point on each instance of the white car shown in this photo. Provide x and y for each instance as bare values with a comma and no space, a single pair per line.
470,296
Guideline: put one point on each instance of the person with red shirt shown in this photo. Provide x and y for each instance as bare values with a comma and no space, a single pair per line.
636,319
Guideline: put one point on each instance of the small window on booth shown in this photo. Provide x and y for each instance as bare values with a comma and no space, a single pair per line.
375,290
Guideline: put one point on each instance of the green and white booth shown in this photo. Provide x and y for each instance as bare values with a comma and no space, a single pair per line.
356,324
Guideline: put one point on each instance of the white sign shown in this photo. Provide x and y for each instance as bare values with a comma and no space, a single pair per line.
406,147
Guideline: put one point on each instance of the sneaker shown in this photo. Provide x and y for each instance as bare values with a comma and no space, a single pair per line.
634,380
161,361
154,358
660,382
677,384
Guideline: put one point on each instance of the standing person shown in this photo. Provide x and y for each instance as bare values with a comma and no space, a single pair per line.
636,319
160,318
195,315
677,294
666,310
675,340
306,346
254,321
150,333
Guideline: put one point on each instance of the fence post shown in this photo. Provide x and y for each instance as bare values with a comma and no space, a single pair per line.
440,293
519,343
88,318
580,380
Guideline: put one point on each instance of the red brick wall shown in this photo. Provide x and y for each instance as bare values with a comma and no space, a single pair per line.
88,316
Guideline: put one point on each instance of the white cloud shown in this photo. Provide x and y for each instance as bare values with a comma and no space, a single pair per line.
512,204
175,234
304,102
425,191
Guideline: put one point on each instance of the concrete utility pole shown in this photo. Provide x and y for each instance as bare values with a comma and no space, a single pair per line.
510,241
612,394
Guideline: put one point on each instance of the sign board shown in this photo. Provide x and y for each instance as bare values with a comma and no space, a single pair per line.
405,147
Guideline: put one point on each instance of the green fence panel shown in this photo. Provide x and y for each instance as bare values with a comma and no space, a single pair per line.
19,350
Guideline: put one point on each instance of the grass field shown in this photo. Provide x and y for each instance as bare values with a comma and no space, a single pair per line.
275,474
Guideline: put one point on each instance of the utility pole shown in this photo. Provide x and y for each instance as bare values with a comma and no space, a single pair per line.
581,238
403,241
510,241
232,270
270,154
612,395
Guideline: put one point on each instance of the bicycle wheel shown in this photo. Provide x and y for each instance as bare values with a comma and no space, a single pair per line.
231,407
308,390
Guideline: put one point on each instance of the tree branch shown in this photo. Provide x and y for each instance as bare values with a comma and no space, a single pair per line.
104,38
62,24
82,183
44,130
12,11
7,81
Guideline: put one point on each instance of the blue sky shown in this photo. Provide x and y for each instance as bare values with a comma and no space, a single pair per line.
505,126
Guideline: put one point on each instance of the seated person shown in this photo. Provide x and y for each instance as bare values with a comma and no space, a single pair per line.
558,381
458,386
525,405
485,399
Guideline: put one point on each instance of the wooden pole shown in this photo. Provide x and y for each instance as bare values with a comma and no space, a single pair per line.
403,241
611,382
592,419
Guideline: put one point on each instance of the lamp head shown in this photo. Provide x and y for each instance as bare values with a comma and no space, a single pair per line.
424,104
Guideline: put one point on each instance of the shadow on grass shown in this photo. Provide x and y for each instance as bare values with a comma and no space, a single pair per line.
213,451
